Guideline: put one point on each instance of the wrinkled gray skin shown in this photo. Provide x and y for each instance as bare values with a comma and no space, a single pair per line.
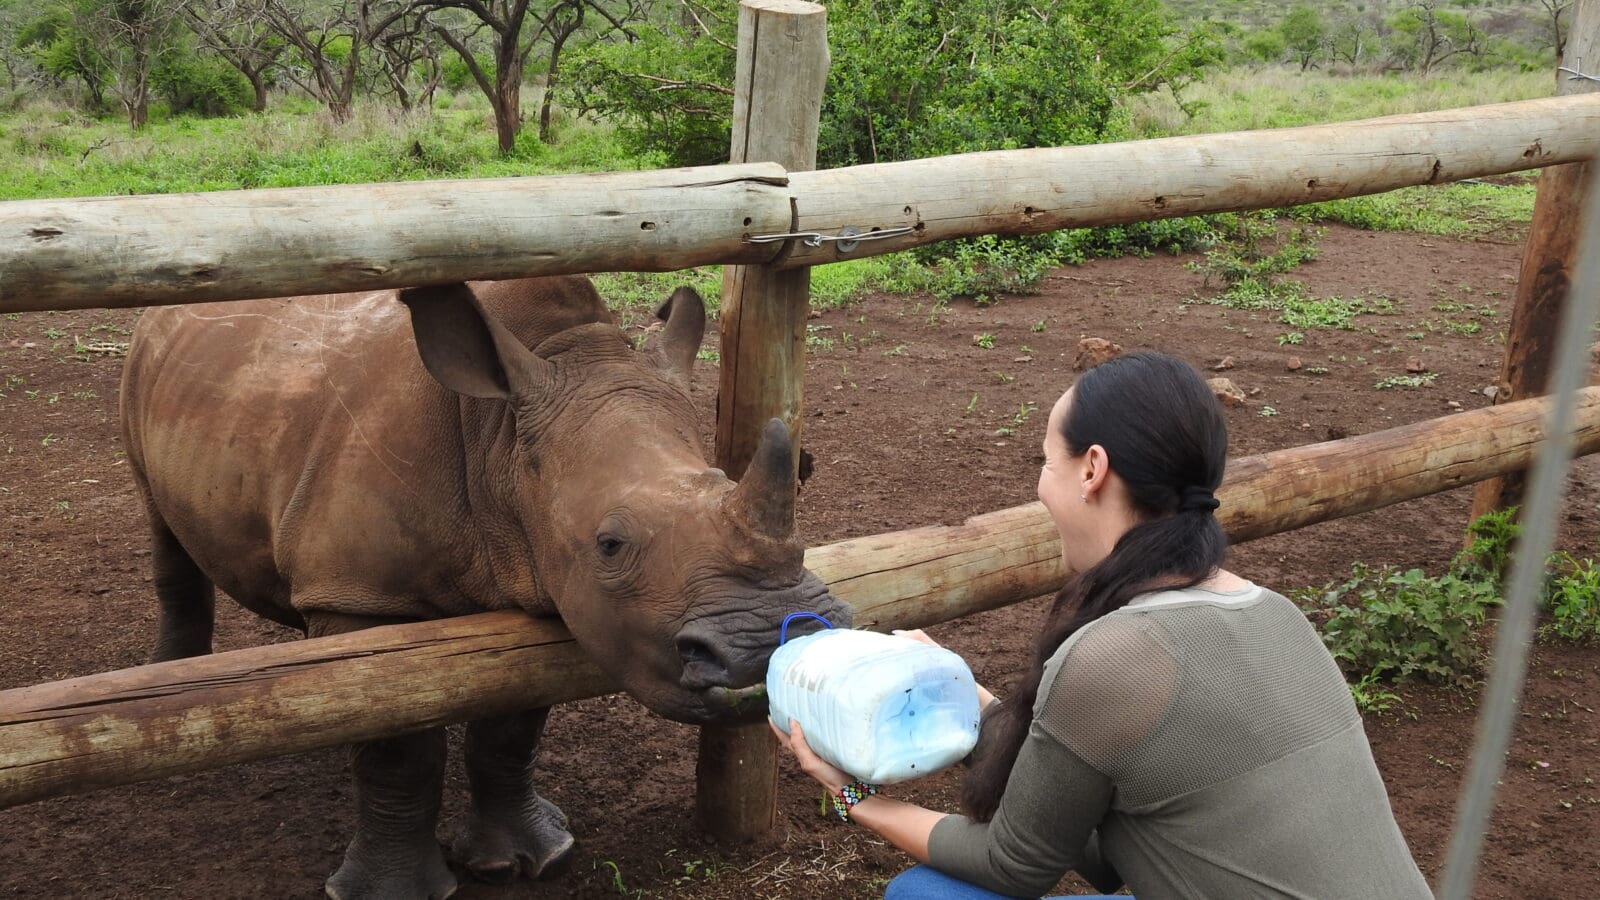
333,463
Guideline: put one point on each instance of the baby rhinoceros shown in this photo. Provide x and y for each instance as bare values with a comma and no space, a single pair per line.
302,455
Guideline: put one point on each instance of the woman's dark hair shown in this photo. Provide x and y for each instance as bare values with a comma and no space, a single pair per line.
1165,437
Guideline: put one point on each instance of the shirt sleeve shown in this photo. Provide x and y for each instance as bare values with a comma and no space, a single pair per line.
1044,827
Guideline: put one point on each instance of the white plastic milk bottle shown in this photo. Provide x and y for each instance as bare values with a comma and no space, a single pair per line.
880,707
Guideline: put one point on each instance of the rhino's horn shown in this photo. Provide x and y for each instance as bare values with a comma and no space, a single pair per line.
685,315
764,499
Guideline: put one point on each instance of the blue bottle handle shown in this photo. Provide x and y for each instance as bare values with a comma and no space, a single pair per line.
783,630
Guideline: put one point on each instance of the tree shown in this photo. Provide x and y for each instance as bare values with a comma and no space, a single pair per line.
1266,45
1555,9
409,48
13,18
909,79
237,32
329,38
130,37
53,42
1352,38
1426,35
1304,33
517,28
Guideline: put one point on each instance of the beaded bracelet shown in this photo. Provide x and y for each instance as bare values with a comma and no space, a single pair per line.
851,794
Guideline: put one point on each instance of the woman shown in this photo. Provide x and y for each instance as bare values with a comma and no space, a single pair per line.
1180,730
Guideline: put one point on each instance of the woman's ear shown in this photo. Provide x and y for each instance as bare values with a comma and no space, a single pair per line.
1095,468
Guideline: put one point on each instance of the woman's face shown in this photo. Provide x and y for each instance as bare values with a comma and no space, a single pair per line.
1060,482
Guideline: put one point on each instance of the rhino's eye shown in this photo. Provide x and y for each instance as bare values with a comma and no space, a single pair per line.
609,545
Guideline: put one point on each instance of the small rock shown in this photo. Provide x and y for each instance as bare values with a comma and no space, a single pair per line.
102,589
1454,404
1255,392
1226,363
814,314
1227,392
1293,364
1093,351
1491,392
1022,359
29,345
1415,366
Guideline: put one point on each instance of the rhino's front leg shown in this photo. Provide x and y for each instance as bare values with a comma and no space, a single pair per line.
395,852
511,830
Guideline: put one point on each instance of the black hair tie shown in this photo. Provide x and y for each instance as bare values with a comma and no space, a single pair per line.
1197,499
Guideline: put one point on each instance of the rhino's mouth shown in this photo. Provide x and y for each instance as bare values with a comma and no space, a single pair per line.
735,702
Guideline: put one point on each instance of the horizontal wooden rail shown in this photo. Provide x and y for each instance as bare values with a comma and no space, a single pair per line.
190,715
1034,191
188,248
286,242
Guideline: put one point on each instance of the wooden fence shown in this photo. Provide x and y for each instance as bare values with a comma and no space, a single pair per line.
195,714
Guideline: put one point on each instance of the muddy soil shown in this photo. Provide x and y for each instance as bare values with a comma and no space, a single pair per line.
912,422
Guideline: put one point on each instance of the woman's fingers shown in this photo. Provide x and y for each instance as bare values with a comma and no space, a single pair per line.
916,634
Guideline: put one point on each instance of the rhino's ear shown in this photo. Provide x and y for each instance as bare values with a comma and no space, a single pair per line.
685,315
465,349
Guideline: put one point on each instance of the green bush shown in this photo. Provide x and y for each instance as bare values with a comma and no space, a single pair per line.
1574,600
201,84
1490,540
985,267
915,79
908,80
455,76
1385,624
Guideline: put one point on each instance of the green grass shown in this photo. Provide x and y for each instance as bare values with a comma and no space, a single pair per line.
1451,209
1248,99
52,151
637,294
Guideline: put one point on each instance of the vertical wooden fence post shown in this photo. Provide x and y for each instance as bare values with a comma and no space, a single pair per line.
782,68
1548,261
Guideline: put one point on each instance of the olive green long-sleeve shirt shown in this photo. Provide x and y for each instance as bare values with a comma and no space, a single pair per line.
1194,745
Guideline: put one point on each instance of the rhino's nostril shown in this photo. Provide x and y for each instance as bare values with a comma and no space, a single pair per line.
703,667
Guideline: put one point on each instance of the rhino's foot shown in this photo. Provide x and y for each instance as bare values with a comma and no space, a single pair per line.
418,875
530,839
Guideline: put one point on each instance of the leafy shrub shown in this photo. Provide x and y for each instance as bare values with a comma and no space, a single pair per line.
1574,600
1491,537
915,79
201,84
1180,235
456,77
1392,625
985,267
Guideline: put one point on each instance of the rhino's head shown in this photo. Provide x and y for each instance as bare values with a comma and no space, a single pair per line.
674,578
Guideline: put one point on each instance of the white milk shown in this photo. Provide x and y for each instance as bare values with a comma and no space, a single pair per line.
880,707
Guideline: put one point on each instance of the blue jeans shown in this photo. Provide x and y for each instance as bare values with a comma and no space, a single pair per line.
924,883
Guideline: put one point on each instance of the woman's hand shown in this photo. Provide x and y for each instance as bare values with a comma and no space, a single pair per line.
917,635
985,696
818,768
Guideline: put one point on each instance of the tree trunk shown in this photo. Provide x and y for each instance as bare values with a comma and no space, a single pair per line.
259,85
137,100
138,108
508,106
550,87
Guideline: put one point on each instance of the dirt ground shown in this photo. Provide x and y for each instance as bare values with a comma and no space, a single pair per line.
907,418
